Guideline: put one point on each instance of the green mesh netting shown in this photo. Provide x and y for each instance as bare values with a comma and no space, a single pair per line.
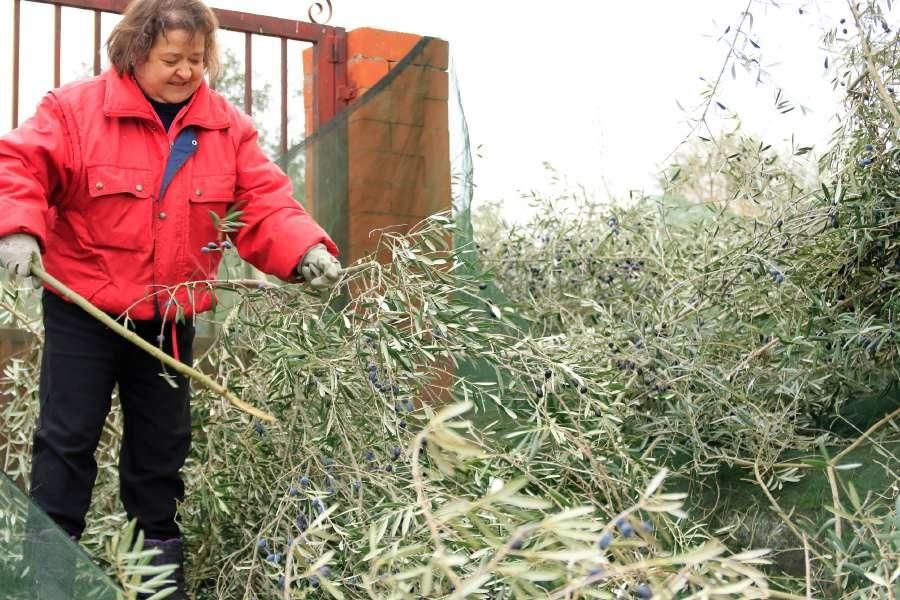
38,561
396,130
322,167
369,163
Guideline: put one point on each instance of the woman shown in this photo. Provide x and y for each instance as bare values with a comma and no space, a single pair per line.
113,180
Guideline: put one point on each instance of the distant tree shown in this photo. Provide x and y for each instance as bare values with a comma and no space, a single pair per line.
739,170
231,85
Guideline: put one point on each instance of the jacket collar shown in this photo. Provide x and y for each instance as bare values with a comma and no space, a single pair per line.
124,98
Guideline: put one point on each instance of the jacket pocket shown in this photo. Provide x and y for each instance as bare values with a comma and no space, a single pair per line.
210,198
120,208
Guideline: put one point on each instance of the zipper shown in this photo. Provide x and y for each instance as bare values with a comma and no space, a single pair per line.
158,128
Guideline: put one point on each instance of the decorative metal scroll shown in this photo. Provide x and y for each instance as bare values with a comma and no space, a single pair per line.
317,9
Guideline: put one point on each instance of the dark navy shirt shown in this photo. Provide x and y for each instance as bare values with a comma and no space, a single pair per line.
167,112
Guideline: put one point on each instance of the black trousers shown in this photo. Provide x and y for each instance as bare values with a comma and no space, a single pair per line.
83,360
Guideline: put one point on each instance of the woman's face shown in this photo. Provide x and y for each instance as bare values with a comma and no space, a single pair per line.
174,68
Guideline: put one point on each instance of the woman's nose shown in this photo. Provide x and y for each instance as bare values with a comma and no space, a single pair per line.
184,72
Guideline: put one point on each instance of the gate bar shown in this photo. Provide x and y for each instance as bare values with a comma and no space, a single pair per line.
96,42
284,96
57,43
17,17
228,19
248,73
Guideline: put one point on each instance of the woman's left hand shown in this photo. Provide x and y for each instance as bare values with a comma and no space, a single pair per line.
319,268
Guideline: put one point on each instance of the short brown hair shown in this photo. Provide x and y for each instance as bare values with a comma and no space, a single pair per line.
131,39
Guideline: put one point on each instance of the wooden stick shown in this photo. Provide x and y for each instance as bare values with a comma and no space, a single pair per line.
354,269
37,270
865,436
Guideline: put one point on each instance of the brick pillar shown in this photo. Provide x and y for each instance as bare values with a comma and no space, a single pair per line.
397,153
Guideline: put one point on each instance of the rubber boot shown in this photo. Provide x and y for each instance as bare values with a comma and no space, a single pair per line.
171,553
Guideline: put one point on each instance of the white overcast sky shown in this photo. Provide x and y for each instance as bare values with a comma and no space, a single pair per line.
589,86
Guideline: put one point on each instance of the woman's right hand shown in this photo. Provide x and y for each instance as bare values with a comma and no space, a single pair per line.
319,268
16,251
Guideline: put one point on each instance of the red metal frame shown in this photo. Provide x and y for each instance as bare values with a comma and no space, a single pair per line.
17,18
329,54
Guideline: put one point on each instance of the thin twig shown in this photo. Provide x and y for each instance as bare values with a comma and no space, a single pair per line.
289,562
785,595
865,436
353,269
491,565
245,284
779,465
870,66
738,30
20,317
419,485
776,507
747,359
806,567
836,499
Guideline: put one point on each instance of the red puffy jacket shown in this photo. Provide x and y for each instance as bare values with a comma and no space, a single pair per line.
121,208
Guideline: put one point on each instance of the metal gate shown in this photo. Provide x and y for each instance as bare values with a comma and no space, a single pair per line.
329,54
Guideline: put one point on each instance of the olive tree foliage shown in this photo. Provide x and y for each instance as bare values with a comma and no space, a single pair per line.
522,416
373,485
748,316
734,170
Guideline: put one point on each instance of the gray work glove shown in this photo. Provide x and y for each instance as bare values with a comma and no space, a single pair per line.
319,268
16,251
